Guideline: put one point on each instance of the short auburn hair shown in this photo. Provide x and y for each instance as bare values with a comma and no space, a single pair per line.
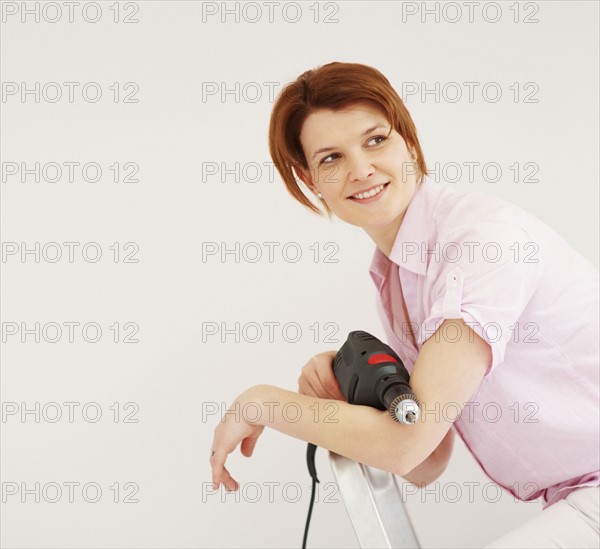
334,86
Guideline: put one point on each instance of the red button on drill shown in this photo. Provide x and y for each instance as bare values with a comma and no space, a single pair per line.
381,357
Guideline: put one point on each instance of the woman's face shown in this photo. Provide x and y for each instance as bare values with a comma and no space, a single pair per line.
348,154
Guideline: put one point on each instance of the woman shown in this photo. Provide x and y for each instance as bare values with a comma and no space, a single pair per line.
494,315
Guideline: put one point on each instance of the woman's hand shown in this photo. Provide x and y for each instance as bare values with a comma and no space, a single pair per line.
233,429
317,378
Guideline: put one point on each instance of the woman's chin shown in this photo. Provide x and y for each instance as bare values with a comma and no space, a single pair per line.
378,217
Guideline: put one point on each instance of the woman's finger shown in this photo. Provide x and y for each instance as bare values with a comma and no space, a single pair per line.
220,472
317,387
326,393
335,392
248,444
228,481
217,463
304,387
323,379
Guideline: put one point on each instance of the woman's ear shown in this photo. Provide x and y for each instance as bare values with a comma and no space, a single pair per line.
303,176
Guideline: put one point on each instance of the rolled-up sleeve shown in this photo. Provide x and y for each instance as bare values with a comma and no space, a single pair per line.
488,284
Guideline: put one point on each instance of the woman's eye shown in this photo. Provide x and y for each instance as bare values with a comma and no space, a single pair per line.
324,160
382,137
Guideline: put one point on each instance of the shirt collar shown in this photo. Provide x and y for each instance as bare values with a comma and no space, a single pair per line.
413,233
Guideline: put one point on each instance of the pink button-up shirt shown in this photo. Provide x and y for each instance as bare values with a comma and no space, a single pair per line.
533,423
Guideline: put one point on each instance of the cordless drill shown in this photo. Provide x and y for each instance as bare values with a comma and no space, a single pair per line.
369,373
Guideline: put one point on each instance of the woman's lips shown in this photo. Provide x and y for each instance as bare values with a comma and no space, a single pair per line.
371,198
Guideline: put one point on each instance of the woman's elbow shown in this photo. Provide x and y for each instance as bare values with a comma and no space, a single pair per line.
430,469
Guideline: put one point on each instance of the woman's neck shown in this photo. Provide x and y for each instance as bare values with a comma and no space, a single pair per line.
385,237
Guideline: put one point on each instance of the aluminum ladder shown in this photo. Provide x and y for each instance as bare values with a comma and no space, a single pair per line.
375,505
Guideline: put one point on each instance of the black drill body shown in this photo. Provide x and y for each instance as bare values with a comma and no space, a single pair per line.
370,373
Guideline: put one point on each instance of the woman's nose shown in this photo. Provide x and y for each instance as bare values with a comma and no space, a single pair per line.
359,167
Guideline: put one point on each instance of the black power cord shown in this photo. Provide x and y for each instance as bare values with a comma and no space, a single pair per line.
310,460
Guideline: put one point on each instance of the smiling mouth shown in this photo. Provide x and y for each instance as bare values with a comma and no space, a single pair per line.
365,196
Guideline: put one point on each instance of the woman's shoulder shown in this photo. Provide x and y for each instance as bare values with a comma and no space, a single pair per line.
480,225
480,213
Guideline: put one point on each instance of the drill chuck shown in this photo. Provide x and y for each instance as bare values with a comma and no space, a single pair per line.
405,409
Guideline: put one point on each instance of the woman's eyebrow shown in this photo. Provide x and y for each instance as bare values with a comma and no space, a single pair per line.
366,132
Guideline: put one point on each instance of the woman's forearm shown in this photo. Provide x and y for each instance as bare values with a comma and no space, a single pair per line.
361,433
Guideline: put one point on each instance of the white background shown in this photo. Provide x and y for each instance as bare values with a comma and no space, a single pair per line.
171,292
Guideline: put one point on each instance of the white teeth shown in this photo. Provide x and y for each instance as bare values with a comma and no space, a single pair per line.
369,194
